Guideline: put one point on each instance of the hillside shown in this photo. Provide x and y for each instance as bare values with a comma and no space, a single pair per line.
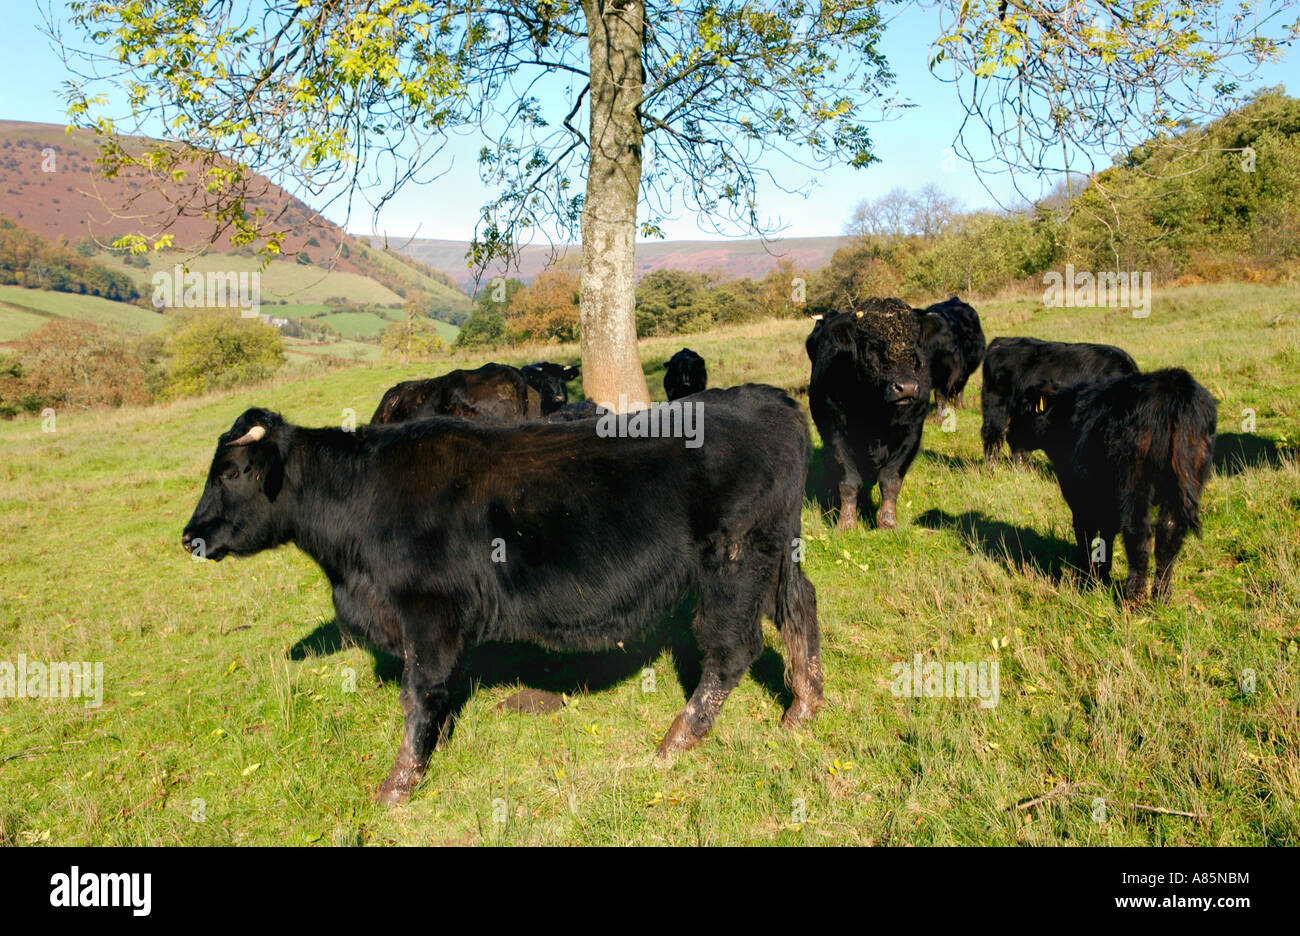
49,185
729,258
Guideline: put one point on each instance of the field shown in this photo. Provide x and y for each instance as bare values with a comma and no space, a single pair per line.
227,715
23,310
281,279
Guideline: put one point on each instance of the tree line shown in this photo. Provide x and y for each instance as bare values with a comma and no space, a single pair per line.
1227,212
28,260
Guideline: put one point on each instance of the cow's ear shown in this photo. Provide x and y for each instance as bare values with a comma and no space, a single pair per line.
268,466
569,373
843,333
1042,396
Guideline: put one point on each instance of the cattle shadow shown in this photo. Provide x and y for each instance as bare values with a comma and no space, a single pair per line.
493,664
328,639
953,462
1234,452
1016,548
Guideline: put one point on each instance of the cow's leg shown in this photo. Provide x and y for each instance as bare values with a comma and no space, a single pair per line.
728,629
364,615
1137,546
1083,551
1106,556
992,431
796,618
432,656
1169,540
850,483
891,483
940,401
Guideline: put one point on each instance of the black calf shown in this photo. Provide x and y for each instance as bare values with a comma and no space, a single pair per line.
1121,446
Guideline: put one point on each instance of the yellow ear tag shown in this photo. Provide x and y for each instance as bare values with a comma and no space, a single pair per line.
1042,404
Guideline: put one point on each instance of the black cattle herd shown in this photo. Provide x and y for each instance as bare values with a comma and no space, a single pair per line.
483,506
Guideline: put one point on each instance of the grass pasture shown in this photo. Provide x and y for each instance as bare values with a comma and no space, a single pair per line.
23,310
228,715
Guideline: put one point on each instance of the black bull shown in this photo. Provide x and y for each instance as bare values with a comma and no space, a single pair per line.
406,522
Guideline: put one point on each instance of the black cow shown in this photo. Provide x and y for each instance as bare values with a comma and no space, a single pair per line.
1013,364
1121,446
550,380
493,392
439,534
869,393
953,344
685,374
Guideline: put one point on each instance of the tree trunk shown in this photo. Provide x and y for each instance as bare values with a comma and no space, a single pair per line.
611,364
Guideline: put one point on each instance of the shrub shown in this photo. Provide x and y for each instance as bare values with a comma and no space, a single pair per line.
68,363
413,339
545,310
216,350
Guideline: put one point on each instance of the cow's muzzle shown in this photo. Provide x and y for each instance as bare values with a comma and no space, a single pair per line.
901,391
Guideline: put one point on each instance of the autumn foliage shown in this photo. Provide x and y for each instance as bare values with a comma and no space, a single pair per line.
71,364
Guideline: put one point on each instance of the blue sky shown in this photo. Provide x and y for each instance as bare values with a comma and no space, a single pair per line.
913,147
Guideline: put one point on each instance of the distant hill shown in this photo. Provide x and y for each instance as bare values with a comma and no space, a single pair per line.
49,184
728,258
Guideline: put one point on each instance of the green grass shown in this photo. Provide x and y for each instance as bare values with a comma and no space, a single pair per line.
223,683
444,295
22,310
355,324
281,279
296,310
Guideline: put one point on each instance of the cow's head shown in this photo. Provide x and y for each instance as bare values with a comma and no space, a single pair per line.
236,514
1037,414
884,339
549,381
684,374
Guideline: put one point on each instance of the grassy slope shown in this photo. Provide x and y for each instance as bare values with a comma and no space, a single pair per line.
453,298
281,279
22,310
225,684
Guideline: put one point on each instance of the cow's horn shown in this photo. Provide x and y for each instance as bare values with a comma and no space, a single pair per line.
817,317
256,434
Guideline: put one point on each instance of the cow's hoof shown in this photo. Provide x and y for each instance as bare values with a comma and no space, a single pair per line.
887,519
678,738
397,786
848,519
1133,602
801,711
391,794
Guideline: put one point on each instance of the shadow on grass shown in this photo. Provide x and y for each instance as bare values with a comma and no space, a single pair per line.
953,462
1234,452
1016,548
507,664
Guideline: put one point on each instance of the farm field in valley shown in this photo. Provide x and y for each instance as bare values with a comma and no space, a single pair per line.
227,715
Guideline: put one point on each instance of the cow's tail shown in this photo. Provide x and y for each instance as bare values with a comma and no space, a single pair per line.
1188,422
796,617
